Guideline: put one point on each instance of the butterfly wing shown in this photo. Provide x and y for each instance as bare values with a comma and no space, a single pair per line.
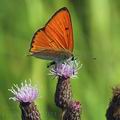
59,29
55,39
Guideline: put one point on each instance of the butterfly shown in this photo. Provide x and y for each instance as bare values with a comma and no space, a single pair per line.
55,40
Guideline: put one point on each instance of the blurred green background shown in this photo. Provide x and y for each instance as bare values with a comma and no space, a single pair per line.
96,25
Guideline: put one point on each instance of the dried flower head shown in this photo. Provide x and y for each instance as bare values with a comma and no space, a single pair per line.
67,69
25,93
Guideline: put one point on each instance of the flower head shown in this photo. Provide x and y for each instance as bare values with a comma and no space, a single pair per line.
67,69
25,93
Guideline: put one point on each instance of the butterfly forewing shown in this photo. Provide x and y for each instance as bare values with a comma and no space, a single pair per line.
59,29
39,43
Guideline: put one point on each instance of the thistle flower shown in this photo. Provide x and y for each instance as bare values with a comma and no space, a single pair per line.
113,111
73,111
26,94
66,70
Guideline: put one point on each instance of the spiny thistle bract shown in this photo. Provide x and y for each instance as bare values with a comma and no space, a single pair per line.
63,94
73,111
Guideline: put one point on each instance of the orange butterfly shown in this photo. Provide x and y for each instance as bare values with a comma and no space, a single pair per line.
55,40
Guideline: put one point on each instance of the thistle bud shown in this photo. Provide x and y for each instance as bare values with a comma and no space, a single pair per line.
73,111
113,111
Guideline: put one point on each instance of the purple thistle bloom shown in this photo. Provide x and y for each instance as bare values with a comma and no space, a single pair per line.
25,93
67,69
